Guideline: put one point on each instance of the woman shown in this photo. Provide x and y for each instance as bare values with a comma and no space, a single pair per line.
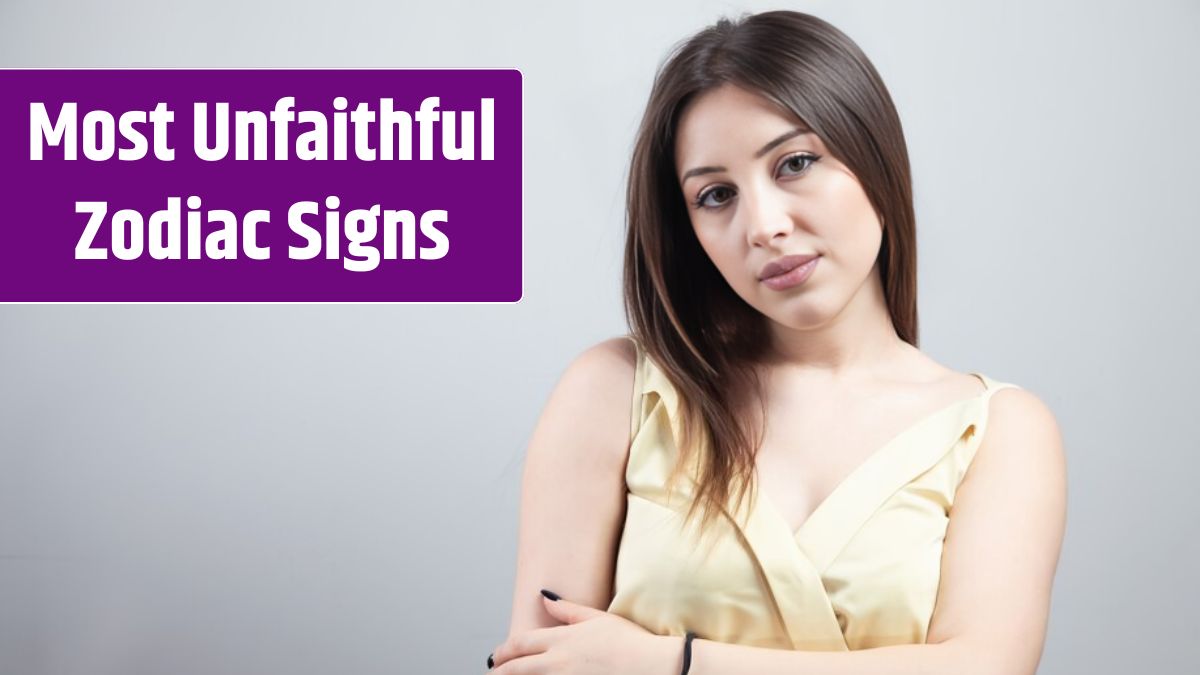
788,489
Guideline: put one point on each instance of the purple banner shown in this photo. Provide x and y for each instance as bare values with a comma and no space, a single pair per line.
260,185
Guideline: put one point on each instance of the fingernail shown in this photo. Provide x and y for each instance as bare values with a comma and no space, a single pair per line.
491,663
550,594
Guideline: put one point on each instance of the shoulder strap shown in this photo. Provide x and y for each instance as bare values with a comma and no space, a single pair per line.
978,428
635,412
994,385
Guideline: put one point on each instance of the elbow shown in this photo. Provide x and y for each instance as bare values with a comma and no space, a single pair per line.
973,657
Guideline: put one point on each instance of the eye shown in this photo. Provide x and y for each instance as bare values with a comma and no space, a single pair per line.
799,162
702,200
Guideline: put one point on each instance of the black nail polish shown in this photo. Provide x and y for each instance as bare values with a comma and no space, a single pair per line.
491,663
550,594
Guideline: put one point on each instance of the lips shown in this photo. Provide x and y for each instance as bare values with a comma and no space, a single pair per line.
784,265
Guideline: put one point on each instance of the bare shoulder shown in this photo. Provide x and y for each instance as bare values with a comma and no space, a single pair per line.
1021,422
1021,452
592,401
602,376
609,360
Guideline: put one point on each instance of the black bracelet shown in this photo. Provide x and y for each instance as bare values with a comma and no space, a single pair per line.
687,652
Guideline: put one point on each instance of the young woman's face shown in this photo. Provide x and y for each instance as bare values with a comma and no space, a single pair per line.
759,189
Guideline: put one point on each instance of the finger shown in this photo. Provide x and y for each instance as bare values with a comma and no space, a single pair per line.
534,664
570,612
525,643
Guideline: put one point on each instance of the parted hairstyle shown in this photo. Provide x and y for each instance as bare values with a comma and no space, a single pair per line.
704,337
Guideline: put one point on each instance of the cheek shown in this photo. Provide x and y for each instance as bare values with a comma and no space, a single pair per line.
724,256
710,244
857,246
854,243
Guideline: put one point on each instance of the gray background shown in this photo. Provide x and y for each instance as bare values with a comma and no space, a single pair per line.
325,488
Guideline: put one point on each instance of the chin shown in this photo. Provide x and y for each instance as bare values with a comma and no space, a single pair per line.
799,313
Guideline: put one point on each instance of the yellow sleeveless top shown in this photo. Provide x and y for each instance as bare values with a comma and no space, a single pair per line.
861,572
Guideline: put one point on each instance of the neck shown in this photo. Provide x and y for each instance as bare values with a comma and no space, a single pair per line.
858,341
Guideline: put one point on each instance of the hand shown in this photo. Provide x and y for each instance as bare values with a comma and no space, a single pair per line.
592,642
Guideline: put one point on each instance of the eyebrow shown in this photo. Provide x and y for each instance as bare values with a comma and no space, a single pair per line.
700,170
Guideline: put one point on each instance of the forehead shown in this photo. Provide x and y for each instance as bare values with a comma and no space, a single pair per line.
728,119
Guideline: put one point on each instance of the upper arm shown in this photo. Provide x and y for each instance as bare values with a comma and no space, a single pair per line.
1004,537
573,486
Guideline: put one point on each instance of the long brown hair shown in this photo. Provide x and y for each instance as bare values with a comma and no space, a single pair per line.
704,337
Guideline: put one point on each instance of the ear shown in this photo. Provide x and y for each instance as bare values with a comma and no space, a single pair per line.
569,612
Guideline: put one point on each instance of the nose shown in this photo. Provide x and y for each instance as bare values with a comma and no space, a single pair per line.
765,216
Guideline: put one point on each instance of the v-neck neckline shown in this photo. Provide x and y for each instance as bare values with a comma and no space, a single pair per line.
793,564
764,501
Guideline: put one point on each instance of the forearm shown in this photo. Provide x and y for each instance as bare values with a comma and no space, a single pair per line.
718,658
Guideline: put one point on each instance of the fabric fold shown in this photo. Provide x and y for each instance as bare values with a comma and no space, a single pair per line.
862,571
